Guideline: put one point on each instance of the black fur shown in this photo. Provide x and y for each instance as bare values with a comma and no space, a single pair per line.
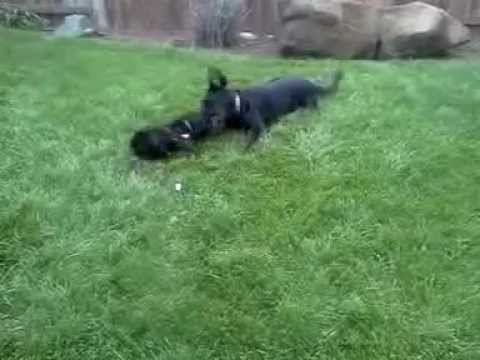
262,105
154,143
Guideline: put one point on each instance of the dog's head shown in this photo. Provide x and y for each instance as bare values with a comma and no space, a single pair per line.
157,143
220,104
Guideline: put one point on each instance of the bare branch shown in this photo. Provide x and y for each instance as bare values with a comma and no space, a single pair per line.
217,22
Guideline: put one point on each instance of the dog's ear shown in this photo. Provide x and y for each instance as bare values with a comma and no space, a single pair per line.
216,79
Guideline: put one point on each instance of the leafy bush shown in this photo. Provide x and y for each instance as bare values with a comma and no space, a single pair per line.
18,18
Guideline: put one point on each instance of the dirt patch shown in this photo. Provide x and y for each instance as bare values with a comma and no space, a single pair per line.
266,45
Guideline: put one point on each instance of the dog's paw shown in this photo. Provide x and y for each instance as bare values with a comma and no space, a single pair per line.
134,165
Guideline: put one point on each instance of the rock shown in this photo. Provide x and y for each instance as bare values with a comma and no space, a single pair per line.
443,4
419,30
75,26
328,28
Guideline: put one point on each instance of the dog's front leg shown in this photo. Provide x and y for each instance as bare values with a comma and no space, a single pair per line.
256,126
185,146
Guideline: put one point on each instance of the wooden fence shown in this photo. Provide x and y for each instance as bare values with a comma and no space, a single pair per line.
150,16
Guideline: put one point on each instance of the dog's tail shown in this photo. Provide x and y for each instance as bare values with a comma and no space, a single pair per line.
330,84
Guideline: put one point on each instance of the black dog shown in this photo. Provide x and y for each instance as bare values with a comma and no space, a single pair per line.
154,143
256,108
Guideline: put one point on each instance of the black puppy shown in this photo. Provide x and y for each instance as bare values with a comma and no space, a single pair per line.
253,109
154,143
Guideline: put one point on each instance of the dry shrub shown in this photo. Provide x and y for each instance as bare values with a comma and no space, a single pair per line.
216,22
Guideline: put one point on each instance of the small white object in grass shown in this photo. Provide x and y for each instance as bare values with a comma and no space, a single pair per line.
246,35
185,136
178,186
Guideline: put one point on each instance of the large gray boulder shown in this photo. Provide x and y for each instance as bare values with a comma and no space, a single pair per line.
419,30
328,28
356,29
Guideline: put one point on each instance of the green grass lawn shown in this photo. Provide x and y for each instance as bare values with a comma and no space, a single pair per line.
348,233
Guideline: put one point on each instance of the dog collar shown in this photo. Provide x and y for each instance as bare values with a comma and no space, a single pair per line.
189,126
238,102
190,130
